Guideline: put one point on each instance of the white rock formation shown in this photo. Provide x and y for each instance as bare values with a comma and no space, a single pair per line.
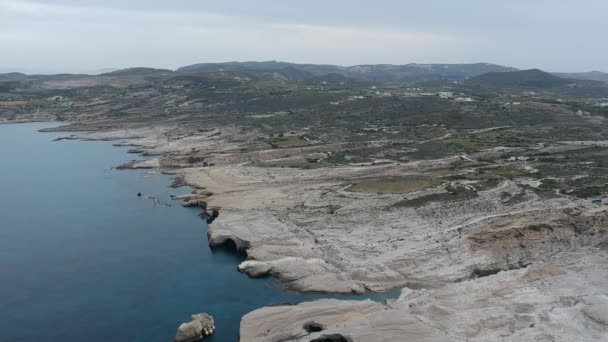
201,325
565,299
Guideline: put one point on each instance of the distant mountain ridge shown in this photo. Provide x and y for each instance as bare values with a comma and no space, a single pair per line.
413,73
537,80
533,78
591,75
12,76
137,71
314,69
385,73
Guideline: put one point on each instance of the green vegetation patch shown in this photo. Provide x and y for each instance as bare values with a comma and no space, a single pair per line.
470,143
295,163
402,185
508,172
509,199
484,179
436,150
589,191
581,173
508,138
286,141
452,194
353,156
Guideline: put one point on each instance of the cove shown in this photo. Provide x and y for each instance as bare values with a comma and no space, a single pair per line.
82,258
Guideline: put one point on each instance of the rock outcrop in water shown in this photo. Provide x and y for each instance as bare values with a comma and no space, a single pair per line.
141,164
562,300
210,217
202,325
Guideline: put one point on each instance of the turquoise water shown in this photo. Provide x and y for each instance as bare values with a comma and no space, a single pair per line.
82,258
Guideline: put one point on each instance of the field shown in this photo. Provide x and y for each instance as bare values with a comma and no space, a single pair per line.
402,185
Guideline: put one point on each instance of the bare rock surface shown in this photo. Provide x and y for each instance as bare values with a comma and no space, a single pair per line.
142,164
490,269
201,325
564,299
316,236
504,264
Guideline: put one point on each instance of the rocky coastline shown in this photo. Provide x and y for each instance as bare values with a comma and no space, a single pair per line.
475,270
484,198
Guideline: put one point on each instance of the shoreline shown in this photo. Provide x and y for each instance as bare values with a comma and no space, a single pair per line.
482,202
269,217
180,180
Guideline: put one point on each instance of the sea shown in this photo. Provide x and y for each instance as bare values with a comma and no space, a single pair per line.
83,258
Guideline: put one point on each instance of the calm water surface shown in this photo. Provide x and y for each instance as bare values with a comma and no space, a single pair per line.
82,258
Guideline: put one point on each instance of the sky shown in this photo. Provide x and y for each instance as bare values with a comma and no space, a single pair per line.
47,36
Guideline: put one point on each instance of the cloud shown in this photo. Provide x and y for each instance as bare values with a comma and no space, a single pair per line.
8,36
36,8
109,37
80,35
325,36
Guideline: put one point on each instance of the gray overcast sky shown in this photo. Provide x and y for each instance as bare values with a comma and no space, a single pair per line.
85,35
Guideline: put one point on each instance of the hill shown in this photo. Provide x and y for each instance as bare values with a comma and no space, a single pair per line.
267,66
137,71
592,75
382,73
536,80
532,78
414,73
13,76
334,79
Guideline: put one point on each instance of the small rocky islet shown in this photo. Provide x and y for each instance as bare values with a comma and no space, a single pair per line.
201,325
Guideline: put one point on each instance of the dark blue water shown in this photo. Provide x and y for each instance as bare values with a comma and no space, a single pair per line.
82,258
